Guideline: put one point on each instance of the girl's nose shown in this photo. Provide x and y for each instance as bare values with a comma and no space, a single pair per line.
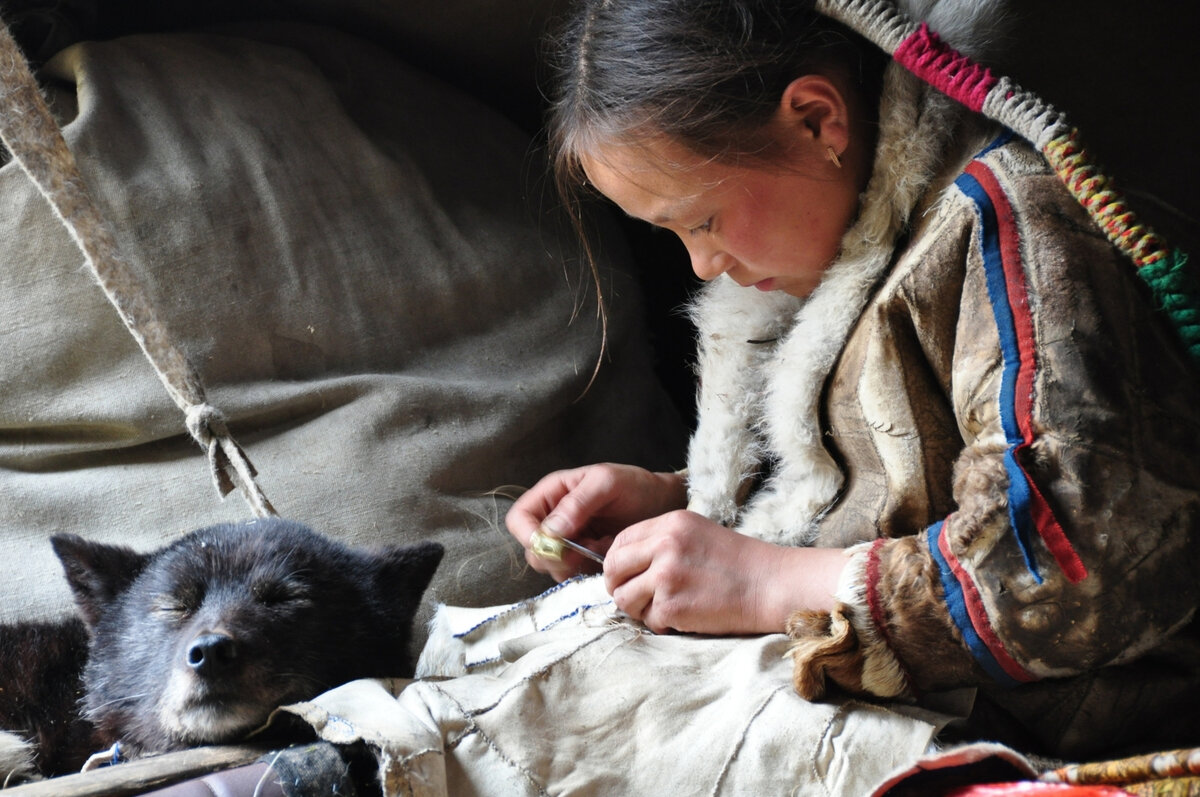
709,264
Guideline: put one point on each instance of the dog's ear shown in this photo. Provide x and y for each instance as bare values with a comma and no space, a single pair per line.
406,570
97,573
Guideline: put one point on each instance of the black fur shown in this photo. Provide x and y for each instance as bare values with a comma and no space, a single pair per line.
41,668
198,642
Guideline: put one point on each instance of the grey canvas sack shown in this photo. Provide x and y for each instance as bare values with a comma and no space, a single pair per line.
358,269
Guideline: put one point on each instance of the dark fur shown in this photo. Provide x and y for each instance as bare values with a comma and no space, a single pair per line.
40,692
198,642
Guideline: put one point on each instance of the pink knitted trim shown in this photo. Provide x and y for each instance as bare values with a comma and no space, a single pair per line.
950,72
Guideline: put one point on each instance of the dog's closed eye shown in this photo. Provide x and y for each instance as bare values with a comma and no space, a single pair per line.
280,592
179,604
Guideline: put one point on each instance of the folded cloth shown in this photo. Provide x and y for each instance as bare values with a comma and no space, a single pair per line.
564,694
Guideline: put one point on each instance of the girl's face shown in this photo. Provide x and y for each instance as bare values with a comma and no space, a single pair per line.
774,229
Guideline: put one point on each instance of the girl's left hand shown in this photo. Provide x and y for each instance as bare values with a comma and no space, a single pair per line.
683,572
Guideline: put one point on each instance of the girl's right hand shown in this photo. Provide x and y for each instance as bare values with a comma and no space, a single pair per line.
590,505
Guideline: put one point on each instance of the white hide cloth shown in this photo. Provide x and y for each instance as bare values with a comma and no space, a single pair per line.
562,694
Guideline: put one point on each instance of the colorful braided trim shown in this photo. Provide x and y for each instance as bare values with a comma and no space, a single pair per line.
1092,189
1134,770
1174,286
920,50
950,72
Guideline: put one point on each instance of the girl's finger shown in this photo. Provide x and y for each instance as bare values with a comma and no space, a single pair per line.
634,597
529,511
628,557
591,492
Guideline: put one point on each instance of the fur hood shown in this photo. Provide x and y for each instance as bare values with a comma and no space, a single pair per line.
764,358
977,28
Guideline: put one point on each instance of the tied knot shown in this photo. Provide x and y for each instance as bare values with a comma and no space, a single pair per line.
206,424
226,460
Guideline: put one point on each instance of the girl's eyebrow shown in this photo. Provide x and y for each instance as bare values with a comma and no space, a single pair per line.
659,220
678,211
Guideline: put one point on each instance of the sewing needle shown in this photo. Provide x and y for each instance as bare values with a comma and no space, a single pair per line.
549,546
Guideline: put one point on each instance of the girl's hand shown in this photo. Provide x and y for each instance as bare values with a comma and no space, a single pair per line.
590,505
683,572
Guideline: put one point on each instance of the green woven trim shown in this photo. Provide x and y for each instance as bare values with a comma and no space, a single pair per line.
1177,292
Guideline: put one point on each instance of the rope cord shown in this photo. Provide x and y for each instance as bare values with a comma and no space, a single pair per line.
913,45
35,142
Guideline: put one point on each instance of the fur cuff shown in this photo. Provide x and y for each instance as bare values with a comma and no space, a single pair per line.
843,646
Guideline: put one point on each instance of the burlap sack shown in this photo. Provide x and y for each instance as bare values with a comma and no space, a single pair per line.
363,265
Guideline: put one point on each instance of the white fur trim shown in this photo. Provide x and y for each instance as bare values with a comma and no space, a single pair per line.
725,451
444,655
16,760
882,673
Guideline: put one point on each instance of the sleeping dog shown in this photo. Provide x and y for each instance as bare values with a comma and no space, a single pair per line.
198,642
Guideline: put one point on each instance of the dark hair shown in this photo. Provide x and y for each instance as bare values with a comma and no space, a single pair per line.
708,74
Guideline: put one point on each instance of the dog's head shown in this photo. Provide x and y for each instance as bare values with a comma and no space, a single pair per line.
198,642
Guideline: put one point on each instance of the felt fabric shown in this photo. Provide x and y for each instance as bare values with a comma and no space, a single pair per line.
362,266
558,700
944,772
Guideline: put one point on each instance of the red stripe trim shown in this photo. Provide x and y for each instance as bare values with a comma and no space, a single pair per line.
978,614
875,606
1046,524
873,603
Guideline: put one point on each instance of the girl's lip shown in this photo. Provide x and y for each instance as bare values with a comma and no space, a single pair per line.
765,285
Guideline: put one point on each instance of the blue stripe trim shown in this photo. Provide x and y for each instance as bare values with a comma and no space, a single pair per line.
953,594
1019,494
997,142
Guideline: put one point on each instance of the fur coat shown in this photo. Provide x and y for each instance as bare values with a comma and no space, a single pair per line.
981,404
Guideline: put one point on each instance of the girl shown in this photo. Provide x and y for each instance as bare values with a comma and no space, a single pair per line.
944,438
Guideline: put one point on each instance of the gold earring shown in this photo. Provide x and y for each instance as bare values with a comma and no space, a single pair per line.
833,156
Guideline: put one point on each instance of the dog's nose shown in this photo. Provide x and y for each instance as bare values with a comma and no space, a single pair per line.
210,653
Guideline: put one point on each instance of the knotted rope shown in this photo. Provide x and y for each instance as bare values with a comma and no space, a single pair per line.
913,45
35,142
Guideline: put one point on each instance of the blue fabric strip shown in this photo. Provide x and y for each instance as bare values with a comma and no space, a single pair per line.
1018,488
997,142
955,602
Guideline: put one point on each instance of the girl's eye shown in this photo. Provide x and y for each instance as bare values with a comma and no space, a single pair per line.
705,227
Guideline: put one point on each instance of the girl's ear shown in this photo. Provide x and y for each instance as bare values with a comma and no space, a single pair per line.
815,111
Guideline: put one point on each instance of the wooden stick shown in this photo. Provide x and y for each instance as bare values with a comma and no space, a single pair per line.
143,774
